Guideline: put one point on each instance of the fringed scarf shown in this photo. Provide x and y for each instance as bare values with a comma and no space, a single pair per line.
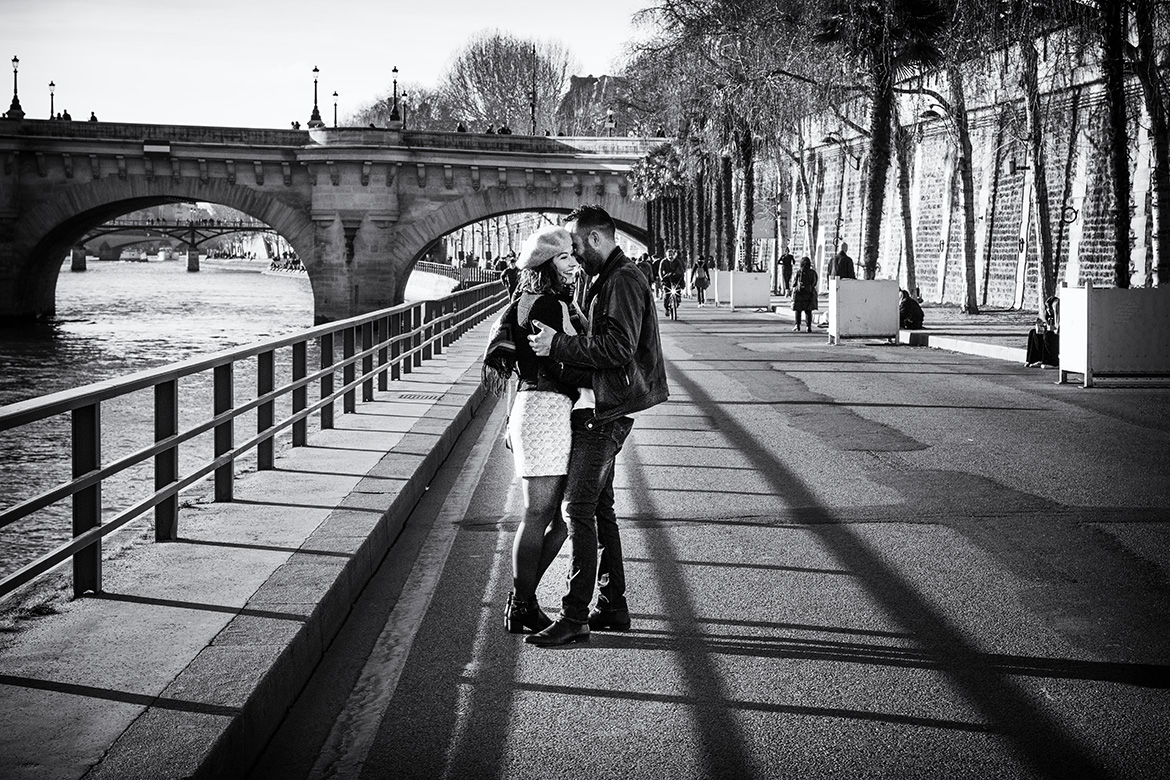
499,359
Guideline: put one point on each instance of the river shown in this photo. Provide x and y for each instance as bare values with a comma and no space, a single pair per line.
115,319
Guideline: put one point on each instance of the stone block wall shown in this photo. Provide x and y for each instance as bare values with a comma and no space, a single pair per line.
1080,200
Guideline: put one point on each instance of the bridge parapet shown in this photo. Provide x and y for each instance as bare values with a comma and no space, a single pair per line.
120,131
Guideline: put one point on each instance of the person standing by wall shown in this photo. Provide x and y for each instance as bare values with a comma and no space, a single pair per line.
622,350
841,266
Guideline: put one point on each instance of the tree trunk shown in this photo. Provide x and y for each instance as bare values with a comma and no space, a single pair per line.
702,225
881,119
728,227
650,227
1148,75
1029,80
717,192
966,181
902,144
1113,68
745,157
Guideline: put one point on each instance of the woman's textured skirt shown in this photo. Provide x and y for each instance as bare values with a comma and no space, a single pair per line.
538,428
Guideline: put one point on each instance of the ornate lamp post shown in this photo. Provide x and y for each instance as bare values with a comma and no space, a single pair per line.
315,117
335,109
405,106
52,89
609,123
394,115
15,111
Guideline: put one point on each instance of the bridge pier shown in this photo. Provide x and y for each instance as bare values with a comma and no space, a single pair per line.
192,259
77,259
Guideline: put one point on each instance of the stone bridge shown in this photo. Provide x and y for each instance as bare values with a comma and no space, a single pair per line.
359,206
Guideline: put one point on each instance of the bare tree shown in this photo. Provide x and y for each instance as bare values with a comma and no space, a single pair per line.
500,79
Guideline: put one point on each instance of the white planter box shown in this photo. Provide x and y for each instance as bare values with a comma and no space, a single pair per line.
740,289
862,308
1107,331
750,290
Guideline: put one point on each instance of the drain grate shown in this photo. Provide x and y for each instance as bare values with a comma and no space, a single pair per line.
419,396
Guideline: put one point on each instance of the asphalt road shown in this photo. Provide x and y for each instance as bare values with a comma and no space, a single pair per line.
844,561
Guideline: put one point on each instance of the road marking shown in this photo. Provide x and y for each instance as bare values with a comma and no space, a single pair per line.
348,745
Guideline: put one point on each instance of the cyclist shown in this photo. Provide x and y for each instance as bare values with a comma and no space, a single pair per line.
672,277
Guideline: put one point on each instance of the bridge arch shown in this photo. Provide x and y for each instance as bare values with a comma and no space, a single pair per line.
418,237
47,232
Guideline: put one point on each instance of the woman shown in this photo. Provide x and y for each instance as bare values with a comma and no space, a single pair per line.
538,423
702,280
804,292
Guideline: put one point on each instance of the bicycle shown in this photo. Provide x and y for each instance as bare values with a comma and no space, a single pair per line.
670,300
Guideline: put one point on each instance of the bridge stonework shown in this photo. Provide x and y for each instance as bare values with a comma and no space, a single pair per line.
359,206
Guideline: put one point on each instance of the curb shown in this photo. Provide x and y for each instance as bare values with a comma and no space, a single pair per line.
248,677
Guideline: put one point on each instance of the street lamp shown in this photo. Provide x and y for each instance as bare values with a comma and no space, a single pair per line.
14,110
405,106
334,109
52,88
609,123
315,117
394,115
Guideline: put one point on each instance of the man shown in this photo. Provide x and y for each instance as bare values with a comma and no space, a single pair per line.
672,272
510,276
786,262
623,356
841,266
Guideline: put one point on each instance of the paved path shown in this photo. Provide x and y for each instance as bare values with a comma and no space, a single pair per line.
859,560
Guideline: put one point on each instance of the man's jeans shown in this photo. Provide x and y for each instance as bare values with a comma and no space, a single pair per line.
592,522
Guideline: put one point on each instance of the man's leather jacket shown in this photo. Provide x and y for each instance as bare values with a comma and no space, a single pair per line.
621,349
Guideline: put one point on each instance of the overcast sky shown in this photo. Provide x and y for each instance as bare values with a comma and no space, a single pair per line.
249,63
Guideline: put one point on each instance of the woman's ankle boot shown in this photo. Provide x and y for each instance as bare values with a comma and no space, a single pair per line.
524,616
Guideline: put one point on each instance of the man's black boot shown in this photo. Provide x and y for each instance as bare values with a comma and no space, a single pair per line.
562,632
609,619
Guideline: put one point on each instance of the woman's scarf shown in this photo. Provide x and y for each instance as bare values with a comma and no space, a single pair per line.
499,359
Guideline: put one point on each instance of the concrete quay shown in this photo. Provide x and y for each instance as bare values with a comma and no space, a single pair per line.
188,660
845,561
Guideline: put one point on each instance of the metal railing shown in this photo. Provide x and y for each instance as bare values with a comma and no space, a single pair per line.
382,346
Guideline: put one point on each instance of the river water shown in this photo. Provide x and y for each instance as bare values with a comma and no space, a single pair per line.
115,319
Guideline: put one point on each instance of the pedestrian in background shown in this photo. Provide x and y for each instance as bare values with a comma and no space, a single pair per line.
804,292
786,262
701,278
841,266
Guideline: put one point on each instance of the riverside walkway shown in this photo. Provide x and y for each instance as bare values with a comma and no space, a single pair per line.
854,560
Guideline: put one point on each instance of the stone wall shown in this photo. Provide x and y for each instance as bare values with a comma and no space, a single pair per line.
1007,249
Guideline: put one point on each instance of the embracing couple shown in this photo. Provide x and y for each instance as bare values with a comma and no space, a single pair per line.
583,376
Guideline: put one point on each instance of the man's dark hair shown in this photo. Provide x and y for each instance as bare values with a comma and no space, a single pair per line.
593,217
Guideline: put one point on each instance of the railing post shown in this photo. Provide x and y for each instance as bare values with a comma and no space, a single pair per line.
349,370
327,380
368,361
428,314
395,347
87,503
300,396
225,431
440,308
265,412
407,361
416,319
383,334
166,464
